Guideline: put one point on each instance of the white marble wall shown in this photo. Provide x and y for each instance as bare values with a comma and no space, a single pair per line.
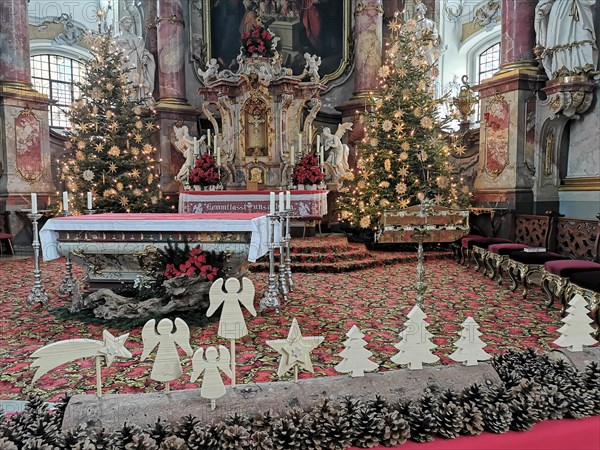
584,148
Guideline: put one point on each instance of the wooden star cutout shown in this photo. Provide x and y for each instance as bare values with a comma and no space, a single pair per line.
295,350
460,150
114,347
137,138
112,168
150,126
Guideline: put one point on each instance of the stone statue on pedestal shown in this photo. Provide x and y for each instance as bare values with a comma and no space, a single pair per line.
336,162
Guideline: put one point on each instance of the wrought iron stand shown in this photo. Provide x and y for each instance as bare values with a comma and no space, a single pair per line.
67,287
288,260
282,282
271,298
38,293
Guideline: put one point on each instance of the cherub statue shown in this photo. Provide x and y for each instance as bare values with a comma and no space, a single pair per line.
189,147
336,162
212,68
232,324
312,66
212,384
167,366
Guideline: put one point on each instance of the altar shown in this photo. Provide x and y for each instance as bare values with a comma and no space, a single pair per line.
305,204
112,247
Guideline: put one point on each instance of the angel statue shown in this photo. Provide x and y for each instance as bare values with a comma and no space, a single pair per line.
212,68
212,384
336,162
312,66
232,324
190,147
167,366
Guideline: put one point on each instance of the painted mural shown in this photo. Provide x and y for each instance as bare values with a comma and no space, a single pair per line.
28,145
496,136
303,26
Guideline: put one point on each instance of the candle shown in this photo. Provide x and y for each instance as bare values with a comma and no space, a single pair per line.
218,156
33,203
272,203
208,134
215,144
300,142
310,135
318,143
288,200
196,147
322,155
292,155
89,200
281,205
65,201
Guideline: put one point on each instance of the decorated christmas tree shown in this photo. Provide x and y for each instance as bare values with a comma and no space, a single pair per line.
415,346
469,348
356,356
110,149
403,157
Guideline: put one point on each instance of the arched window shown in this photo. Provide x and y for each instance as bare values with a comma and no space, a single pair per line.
54,76
489,62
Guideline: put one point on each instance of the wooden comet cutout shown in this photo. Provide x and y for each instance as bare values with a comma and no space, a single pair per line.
62,352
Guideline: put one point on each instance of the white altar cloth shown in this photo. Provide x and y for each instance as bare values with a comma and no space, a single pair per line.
305,204
257,224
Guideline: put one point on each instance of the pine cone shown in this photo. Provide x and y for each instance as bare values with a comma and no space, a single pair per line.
235,437
449,419
37,444
476,395
533,396
378,405
285,435
472,419
238,419
336,433
591,375
159,431
260,440
522,417
141,441
185,426
5,444
422,424
497,417
580,403
203,438
395,429
173,443
558,406
368,428
264,422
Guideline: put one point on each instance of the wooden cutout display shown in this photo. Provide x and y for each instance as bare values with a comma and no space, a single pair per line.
62,352
232,324
415,345
469,348
356,357
212,383
575,333
295,351
167,365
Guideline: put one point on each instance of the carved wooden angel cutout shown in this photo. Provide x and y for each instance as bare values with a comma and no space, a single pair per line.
212,383
167,366
232,324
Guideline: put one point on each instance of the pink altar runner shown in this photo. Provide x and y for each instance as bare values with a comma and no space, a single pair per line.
304,203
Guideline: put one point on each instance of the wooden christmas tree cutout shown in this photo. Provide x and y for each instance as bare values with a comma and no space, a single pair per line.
212,384
575,333
356,357
61,352
415,345
469,346
167,366
232,325
295,351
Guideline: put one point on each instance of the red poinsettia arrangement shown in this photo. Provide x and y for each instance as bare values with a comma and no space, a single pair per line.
258,42
205,172
196,264
307,171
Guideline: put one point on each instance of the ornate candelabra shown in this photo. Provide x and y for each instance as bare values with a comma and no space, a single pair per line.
282,279
271,298
288,261
420,285
38,293
67,287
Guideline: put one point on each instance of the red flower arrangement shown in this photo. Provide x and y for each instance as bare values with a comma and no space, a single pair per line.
258,41
307,171
196,264
205,171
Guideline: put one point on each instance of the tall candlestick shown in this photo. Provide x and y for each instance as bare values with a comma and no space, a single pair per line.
281,204
318,143
288,200
65,201
310,135
292,156
89,200
208,134
33,203
272,203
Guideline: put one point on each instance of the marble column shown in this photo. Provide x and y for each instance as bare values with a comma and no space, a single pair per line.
518,35
150,13
25,159
368,41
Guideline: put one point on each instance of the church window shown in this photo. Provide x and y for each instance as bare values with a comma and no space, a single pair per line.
489,62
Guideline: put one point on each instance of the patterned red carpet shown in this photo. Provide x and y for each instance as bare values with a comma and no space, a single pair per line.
327,304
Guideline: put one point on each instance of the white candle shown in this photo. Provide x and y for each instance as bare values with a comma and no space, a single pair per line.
208,134
292,156
281,204
300,142
33,203
215,144
272,203
196,148
322,154
310,135
89,200
218,156
318,143
65,201
288,200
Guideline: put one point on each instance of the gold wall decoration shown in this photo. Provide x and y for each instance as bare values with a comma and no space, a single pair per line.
548,152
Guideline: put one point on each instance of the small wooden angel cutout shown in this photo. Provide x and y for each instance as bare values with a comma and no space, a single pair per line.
167,365
232,324
212,383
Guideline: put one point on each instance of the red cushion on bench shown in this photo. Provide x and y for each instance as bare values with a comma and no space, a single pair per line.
482,241
535,257
566,267
587,280
504,249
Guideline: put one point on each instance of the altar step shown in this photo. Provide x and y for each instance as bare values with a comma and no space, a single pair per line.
336,254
